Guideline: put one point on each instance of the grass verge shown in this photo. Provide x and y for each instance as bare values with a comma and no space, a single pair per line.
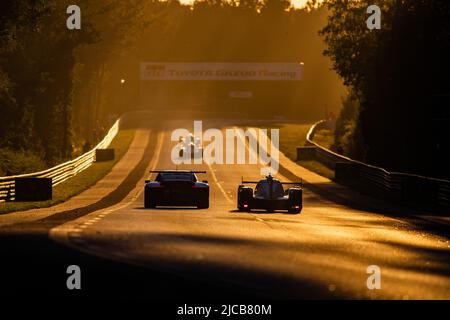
80,182
294,135
291,137
324,138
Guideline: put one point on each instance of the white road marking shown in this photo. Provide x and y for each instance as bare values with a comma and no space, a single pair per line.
218,183
75,233
153,167
225,194
155,161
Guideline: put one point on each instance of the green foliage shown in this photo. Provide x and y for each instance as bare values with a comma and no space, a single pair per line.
38,56
36,62
14,162
394,73
61,88
345,133
80,182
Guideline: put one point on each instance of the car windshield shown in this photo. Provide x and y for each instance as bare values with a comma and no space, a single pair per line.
177,176
262,189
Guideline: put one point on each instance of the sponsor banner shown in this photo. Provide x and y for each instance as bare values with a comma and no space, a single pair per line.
222,71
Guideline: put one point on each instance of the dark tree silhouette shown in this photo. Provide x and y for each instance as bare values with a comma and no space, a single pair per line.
395,72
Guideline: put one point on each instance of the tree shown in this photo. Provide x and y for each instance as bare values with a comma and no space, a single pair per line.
390,71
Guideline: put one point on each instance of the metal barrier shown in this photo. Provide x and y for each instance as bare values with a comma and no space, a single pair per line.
62,172
428,192
325,156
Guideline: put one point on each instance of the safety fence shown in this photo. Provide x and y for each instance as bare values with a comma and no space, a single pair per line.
429,193
61,172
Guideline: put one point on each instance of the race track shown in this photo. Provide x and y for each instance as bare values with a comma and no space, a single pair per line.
321,253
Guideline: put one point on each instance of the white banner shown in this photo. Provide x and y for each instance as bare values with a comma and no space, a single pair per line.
222,71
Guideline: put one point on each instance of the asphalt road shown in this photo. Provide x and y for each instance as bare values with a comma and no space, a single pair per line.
218,252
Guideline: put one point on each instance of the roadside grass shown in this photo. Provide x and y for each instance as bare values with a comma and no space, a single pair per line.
291,137
80,182
324,138
294,135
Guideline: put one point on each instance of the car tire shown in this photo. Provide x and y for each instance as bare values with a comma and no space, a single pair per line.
294,211
148,201
204,203
245,194
295,199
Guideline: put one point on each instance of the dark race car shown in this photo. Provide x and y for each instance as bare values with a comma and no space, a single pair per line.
176,188
270,195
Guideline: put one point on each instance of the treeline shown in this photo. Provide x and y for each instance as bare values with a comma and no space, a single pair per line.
397,116
61,89
51,77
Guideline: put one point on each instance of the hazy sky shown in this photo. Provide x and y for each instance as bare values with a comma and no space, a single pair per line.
299,3
296,3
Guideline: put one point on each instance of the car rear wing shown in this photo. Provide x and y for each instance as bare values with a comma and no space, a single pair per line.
288,183
174,171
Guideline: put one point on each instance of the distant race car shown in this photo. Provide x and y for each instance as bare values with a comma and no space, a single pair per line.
176,188
191,144
270,195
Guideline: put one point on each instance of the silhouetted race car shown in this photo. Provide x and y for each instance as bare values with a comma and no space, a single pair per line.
192,145
270,195
176,188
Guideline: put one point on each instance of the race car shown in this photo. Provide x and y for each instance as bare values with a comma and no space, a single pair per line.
192,145
176,188
270,195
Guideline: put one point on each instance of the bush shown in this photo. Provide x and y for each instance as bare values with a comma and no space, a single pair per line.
345,134
14,162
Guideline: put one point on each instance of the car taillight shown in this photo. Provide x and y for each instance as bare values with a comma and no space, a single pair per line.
296,207
245,205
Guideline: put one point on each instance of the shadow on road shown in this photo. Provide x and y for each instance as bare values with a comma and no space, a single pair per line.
373,205
35,267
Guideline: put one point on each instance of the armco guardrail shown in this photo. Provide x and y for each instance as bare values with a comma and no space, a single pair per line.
430,193
325,156
61,172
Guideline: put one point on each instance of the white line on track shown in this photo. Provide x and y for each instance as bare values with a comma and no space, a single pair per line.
155,162
75,233
218,183
158,148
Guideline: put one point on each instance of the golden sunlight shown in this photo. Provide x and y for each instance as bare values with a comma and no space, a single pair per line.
295,3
